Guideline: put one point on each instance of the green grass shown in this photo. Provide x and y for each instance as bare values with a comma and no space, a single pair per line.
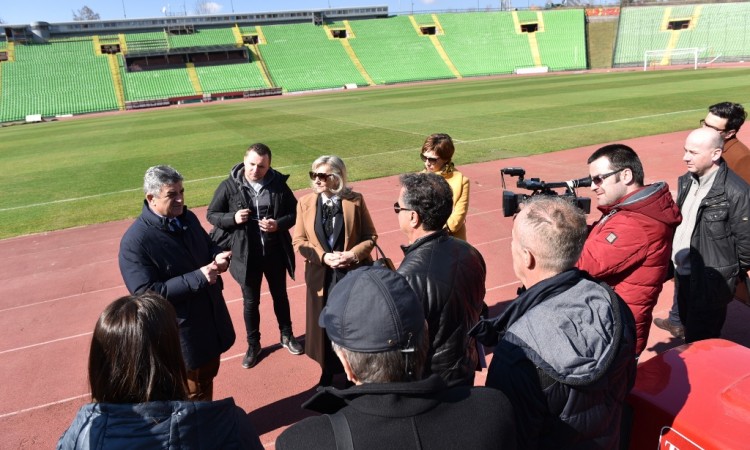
69,173
601,43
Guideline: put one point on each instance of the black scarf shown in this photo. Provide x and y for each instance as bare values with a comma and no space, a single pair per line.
490,331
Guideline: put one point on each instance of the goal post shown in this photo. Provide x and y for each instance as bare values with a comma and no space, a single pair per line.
671,57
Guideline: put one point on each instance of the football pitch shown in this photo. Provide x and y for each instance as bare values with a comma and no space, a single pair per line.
75,172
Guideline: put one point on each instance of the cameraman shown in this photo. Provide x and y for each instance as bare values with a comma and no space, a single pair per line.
629,247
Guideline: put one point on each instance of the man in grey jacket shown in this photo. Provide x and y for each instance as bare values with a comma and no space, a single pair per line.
565,353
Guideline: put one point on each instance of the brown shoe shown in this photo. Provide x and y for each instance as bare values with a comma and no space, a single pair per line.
674,329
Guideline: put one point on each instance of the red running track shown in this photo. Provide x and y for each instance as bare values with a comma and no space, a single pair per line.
55,285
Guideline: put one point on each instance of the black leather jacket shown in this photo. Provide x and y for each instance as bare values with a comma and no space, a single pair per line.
448,275
720,242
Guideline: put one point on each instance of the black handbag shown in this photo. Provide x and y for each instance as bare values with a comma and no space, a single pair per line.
381,260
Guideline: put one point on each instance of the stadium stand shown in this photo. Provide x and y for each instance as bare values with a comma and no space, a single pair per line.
301,57
62,77
392,51
681,27
562,43
484,43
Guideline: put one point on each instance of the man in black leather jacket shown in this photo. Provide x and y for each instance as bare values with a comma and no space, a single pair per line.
712,245
447,274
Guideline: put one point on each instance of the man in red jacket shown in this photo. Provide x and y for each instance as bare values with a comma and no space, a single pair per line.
629,247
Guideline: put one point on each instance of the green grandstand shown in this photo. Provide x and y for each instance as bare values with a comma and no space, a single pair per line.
673,28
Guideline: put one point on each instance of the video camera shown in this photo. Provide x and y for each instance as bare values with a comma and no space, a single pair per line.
511,200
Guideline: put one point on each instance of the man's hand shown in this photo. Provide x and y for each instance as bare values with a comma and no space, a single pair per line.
222,261
268,225
210,271
242,216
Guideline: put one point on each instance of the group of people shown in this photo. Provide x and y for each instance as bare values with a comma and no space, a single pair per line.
409,341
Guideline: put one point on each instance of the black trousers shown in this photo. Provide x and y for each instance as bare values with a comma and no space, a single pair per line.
699,323
273,267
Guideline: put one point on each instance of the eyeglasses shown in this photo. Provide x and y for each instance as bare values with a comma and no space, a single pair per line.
599,179
430,160
397,208
704,124
320,176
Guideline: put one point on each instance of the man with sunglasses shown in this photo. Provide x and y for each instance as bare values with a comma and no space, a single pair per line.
447,274
630,245
257,207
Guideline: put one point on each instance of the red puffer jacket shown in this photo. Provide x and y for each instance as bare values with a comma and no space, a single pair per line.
629,248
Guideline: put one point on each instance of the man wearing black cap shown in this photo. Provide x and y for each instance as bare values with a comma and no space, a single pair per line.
446,273
378,331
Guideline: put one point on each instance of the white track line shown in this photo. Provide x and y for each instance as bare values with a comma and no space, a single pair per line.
39,344
65,400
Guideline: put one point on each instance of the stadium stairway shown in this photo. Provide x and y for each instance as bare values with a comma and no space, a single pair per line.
114,68
350,51
533,44
237,35
194,78
674,35
11,49
438,46
263,69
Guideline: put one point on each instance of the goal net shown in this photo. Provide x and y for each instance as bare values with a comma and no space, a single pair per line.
671,57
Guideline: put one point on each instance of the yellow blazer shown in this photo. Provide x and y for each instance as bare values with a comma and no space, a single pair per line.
457,221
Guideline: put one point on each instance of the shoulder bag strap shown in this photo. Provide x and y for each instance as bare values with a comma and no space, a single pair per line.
341,431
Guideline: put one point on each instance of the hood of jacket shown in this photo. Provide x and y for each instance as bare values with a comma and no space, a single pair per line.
654,201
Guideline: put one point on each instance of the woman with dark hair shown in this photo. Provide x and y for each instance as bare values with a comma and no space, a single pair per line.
335,234
437,154
139,388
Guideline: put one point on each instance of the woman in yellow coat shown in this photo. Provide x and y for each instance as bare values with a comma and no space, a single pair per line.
335,234
437,152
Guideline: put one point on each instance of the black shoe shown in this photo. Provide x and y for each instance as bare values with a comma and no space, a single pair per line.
251,356
674,329
290,343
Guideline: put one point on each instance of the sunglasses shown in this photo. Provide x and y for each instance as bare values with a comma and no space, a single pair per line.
704,124
397,208
430,160
599,179
320,176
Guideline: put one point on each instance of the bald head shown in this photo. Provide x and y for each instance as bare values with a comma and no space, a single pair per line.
703,149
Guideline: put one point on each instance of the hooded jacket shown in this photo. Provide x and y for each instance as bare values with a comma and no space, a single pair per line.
566,360
229,198
423,414
159,425
448,276
630,247
154,258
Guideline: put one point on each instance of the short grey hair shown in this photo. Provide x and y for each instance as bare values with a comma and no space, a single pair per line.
158,176
393,366
555,230
338,169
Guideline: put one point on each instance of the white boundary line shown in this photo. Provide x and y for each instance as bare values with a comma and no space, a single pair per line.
470,141
65,400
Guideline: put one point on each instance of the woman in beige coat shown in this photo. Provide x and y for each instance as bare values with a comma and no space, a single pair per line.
335,234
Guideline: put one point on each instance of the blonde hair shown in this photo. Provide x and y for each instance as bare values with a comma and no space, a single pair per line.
338,170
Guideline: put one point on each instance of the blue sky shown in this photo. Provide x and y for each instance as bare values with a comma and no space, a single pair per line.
23,12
